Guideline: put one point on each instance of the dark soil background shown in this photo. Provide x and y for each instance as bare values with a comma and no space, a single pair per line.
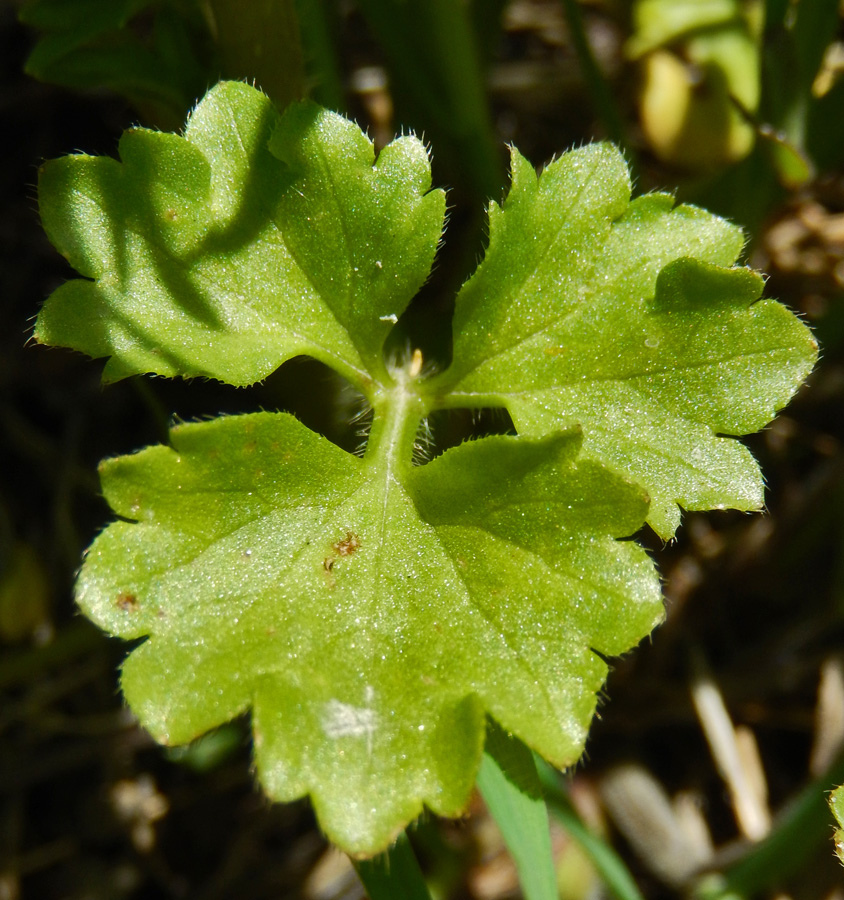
91,808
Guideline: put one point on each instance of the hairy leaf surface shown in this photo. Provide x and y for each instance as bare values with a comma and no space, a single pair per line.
368,624
248,241
622,317
368,613
836,802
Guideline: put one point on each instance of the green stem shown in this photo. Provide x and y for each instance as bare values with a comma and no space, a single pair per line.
394,875
609,865
804,827
511,789
436,68
397,412
325,80
260,40
596,84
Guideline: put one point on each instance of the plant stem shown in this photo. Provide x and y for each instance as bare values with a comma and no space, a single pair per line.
595,82
397,412
435,68
260,40
321,63
394,875
609,865
511,789
798,832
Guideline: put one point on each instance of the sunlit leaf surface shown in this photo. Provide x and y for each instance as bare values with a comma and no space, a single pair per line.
371,614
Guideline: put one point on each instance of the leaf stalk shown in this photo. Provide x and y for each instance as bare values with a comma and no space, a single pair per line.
397,413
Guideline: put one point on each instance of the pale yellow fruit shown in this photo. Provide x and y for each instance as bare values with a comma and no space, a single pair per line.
687,114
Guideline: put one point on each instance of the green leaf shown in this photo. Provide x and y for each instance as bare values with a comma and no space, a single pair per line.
510,786
608,864
96,44
367,624
83,18
368,613
619,316
395,875
661,22
248,241
836,802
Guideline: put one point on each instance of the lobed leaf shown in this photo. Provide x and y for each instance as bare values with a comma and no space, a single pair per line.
836,803
157,55
369,625
252,239
371,615
620,316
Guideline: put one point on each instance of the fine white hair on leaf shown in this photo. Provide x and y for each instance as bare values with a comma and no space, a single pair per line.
354,411
361,421
423,446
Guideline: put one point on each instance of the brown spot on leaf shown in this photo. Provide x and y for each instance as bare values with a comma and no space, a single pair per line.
346,547
126,601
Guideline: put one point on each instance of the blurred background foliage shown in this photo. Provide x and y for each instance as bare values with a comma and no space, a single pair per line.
709,765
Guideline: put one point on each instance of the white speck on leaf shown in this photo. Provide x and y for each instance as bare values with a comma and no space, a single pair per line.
345,720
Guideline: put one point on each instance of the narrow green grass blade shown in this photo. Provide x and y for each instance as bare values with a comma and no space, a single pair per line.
436,68
510,786
394,875
799,830
260,40
322,65
596,83
607,862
